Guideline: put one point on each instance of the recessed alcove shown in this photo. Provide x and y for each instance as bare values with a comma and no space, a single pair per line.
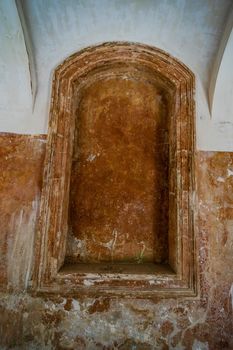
117,201
119,187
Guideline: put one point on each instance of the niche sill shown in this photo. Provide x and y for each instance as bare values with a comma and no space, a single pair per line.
118,268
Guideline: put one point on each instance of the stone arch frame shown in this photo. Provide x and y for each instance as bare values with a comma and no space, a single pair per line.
50,244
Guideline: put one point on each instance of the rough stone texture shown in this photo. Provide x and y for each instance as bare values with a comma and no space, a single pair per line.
29,322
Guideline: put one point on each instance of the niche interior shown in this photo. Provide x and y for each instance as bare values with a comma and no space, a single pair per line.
116,212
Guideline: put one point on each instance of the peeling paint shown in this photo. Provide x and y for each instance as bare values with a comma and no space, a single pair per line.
198,345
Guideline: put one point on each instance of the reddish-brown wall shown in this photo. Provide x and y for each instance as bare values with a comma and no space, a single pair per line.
119,178
21,167
29,322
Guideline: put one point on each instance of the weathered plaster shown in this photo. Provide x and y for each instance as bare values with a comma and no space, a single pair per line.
58,322
119,176
21,161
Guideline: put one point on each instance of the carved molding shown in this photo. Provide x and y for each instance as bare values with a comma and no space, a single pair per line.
50,247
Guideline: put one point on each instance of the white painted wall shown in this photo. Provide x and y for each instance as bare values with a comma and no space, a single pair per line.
220,125
15,89
223,95
188,29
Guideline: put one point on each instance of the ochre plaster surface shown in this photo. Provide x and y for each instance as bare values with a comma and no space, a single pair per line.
21,168
57,322
119,177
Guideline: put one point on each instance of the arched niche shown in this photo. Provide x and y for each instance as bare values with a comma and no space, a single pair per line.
136,104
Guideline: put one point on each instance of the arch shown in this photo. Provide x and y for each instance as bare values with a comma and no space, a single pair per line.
221,82
220,123
30,53
178,80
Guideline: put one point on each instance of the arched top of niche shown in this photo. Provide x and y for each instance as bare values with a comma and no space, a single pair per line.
82,62
72,71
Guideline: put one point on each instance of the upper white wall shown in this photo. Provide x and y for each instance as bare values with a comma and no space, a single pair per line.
220,125
222,106
15,85
189,30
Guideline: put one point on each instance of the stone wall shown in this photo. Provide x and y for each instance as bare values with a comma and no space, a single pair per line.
37,322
